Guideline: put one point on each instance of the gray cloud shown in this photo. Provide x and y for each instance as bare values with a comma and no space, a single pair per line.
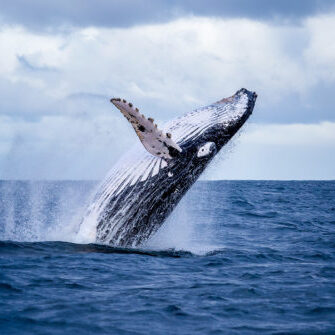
26,65
316,106
51,15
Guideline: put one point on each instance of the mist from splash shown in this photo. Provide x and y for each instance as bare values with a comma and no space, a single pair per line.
35,211
184,231
32,211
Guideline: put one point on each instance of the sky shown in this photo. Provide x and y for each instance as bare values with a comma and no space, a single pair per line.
61,61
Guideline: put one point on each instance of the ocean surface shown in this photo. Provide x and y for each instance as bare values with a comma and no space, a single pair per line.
236,257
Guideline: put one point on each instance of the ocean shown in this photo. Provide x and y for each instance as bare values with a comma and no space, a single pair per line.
235,257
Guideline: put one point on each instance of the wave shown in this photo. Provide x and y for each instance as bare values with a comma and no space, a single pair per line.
59,247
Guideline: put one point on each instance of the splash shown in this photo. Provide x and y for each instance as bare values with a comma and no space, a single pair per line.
34,211
186,230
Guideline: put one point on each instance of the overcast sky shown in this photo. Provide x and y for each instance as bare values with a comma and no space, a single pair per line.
61,61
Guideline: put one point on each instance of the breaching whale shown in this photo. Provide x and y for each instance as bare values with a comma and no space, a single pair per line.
145,186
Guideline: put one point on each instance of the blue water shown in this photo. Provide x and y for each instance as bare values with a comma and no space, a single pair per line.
236,257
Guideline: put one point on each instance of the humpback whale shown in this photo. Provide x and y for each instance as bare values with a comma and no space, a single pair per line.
146,184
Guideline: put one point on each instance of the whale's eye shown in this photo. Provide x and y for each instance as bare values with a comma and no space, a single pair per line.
206,149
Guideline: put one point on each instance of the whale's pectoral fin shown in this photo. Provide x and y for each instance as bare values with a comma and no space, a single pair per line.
154,140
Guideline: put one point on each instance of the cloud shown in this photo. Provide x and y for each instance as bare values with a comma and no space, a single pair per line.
321,58
277,151
51,15
30,67
182,64
60,147
54,88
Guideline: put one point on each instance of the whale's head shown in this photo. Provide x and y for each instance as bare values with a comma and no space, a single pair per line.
204,131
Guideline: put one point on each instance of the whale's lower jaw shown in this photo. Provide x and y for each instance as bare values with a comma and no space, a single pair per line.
142,190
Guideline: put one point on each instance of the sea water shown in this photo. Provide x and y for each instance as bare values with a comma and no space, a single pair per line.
235,257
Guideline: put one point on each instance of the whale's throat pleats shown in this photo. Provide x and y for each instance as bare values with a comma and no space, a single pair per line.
155,141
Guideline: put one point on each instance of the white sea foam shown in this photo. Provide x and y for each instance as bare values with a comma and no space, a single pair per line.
44,211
